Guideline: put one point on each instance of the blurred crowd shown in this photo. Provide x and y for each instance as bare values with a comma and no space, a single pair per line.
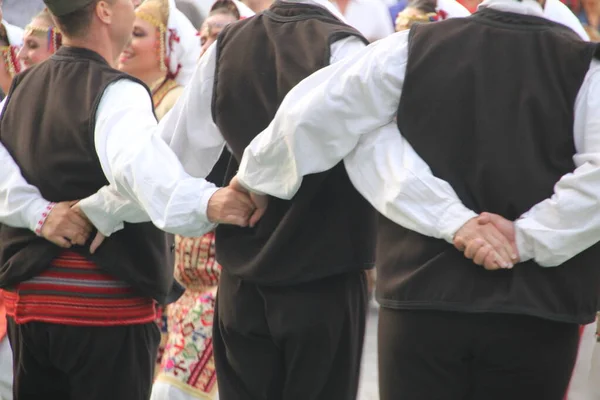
163,53
374,18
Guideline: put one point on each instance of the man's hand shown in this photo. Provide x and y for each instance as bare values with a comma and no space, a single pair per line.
99,238
229,206
506,227
260,201
485,244
64,227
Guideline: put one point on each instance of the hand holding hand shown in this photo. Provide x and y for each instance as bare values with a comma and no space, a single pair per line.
229,206
260,201
487,245
99,238
64,227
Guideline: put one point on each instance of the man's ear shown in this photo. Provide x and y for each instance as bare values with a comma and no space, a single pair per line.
104,11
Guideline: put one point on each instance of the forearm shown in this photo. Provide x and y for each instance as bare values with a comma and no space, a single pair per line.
21,204
386,170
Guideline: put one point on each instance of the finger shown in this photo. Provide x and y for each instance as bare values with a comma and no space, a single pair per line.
460,243
76,219
484,218
77,240
60,241
256,216
71,233
514,252
491,262
482,254
501,244
473,247
98,240
238,220
80,239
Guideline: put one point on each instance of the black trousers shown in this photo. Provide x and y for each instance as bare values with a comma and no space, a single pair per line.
299,342
430,355
83,363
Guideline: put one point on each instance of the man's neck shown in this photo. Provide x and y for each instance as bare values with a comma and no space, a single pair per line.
97,46
259,5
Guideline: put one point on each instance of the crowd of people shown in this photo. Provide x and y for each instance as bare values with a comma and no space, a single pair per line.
264,137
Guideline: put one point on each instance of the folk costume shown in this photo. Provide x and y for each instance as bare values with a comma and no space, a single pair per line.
502,327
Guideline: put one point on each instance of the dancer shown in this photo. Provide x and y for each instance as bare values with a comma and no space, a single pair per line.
97,123
322,278
501,328
187,368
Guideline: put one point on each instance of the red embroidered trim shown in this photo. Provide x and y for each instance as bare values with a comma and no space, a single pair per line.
43,218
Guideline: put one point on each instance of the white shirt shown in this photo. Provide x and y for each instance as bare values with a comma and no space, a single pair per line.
191,133
124,137
369,17
142,168
384,168
142,171
556,11
333,115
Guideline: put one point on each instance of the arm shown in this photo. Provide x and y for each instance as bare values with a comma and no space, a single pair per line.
322,119
143,169
346,111
381,164
564,225
22,206
385,169
192,135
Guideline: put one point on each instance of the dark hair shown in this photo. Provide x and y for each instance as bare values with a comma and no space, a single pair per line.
226,7
77,23
426,6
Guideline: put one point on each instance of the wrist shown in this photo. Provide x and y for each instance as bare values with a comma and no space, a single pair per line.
453,219
43,217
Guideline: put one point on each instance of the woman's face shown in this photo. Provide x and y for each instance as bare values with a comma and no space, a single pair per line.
211,28
35,46
141,55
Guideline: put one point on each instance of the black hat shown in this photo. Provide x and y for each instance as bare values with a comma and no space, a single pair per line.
64,7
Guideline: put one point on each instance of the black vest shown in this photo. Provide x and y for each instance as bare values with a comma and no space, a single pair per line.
327,228
488,103
48,128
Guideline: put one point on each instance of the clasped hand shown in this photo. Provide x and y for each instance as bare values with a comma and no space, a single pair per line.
66,225
236,206
488,240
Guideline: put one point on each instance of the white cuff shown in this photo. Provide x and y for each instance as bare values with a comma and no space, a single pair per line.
40,210
524,243
452,219
95,209
204,199
247,187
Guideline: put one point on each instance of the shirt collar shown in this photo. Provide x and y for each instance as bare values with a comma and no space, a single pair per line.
325,4
526,7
